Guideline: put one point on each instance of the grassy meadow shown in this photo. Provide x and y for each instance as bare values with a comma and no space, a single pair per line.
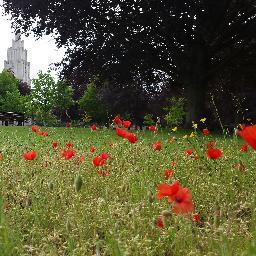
53,206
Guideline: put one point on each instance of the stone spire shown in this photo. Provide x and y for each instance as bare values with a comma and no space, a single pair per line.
17,60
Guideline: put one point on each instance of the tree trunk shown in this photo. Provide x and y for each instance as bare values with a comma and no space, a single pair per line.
195,83
195,107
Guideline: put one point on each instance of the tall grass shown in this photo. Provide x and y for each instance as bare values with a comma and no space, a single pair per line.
116,214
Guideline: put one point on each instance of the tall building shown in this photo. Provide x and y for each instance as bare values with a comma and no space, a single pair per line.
17,60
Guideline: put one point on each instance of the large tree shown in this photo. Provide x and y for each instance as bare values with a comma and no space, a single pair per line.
189,41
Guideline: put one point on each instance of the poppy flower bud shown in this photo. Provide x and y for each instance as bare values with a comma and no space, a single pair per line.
166,214
50,185
68,226
151,197
160,222
78,183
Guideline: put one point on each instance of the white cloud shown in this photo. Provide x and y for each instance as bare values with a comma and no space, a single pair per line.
41,53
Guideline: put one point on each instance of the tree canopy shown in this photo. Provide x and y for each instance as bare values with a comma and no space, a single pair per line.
10,97
188,41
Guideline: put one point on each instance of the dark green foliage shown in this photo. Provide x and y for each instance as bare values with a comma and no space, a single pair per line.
92,105
148,120
175,112
190,42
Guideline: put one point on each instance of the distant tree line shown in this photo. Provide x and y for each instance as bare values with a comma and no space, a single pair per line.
46,102
139,54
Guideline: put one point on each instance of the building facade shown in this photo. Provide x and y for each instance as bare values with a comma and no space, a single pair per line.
17,60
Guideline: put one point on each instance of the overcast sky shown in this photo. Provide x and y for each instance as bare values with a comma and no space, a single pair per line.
41,53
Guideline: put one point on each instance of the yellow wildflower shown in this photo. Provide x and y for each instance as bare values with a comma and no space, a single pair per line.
172,139
192,135
194,125
185,136
203,120
175,129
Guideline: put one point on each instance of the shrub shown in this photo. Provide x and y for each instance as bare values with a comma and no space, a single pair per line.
175,112
148,120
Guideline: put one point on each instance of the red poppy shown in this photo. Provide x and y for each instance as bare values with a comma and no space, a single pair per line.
248,134
105,156
34,128
55,144
242,126
152,128
92,149
121,133
165,190
93,127
244,148
61,153
181,197
6,206
98,161
69,145
131,137
68,124
173,164
168,173
182,201
80,159
211,144
127,124
157,145
206,132
214,153
103,173
31,155
160,222
46,134
189,151
40,133
68,154
196,217
117,120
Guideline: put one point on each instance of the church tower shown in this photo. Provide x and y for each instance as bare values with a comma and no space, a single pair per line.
17,60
